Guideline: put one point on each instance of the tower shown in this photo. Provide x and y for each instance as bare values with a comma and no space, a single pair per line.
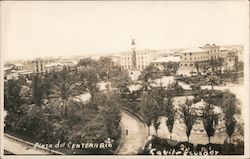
133,49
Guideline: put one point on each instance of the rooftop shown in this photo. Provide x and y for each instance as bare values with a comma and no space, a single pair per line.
193,50
167,59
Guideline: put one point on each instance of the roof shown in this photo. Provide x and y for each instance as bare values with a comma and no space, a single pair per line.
196,49
19,65
167,59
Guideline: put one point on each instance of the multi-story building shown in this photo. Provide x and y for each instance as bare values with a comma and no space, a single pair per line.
189,57
137,59
35,66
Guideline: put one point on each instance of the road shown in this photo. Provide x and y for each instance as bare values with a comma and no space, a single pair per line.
135,138
20,148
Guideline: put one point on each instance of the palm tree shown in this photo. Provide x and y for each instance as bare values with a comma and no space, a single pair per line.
64,88
213,80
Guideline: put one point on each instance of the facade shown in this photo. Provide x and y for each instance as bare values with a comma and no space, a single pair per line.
189,57
160,62
35,66
137,59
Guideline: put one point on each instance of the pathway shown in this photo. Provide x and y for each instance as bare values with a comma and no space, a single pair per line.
20,148
135,138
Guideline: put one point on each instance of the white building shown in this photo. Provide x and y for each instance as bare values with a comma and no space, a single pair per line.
189,57
137,59
163,60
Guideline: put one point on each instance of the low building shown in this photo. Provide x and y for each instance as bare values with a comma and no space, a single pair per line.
161,62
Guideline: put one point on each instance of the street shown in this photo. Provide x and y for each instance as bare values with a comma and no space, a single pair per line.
136,135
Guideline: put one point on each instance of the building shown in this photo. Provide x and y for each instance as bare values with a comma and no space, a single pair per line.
137,59
35,66
189,57
14,71
161,62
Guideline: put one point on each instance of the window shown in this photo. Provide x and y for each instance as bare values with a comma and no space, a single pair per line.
185,58
181,64
185,54
191,64
185,64
190,53
195,58
190,58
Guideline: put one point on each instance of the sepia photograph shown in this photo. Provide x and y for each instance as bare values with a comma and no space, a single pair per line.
124,79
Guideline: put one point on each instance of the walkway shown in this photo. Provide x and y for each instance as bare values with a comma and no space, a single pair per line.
135,138
20,147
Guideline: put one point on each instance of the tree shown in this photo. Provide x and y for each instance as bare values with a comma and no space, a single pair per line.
177,89
230,110
112,115
104,67
147,108
122,83
169,110
47,84
148,75
89,81
158,94
215,65
170,68
197,67
210,120
85,62
204,66
156,124
236,67
64,89
12,102
170,122
188,116
213,80
37,90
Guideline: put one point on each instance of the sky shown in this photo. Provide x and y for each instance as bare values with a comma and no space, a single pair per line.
59,28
